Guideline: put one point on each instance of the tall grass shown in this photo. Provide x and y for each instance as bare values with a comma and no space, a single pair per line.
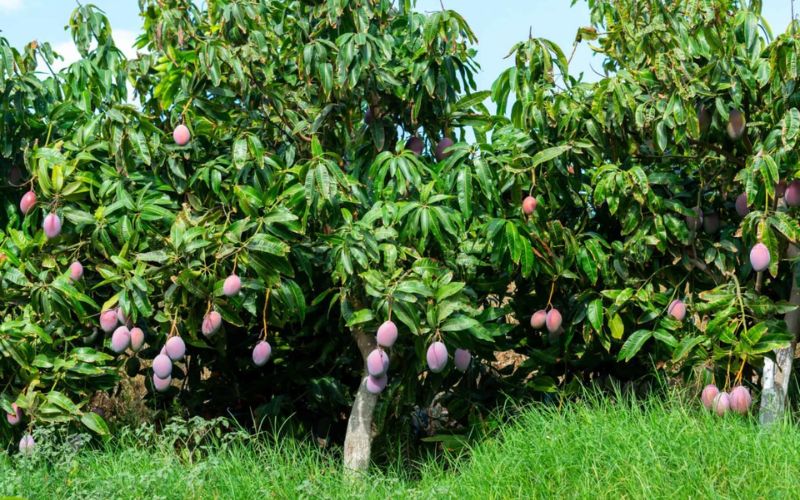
600,448
596,448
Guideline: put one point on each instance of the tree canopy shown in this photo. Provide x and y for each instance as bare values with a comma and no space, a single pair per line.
318,171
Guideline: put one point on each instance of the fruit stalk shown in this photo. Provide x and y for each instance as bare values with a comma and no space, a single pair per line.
776,374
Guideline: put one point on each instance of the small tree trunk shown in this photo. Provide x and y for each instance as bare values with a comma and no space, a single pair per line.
776,374
358,440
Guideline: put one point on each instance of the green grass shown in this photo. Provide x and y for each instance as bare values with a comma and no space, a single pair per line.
594,449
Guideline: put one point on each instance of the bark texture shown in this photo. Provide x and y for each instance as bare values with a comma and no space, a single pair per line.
358,440
776,374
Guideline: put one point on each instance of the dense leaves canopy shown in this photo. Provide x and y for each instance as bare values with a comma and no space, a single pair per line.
298,179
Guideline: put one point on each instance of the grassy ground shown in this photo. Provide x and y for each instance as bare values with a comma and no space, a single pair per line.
594,449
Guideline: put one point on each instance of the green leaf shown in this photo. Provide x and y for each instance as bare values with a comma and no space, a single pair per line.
268,244
684,347
788,226
316,147
448,290
95,423
414,287
78,218
157,256
60,400
770,342
595,314
548,154
587,265
754,333
634,344
666,338
240,153
326,76
514,242
378,135
617,327
526,260
361,316
459,323
791,125
464,186
57,177
661,136
470,100
140,145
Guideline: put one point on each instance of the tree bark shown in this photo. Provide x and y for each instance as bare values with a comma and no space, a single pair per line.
358,440
776,374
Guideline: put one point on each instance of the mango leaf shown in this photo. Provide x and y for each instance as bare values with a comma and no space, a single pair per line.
549,154
617,326
594,312
361,316
633,344
95,423
684,347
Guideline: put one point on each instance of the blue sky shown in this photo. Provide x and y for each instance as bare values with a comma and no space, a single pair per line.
498,25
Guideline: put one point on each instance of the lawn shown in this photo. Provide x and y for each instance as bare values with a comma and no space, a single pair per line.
590,449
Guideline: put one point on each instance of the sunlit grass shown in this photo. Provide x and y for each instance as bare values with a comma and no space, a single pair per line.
596,448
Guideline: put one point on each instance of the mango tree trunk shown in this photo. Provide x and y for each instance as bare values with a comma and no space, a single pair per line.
776,374
358,440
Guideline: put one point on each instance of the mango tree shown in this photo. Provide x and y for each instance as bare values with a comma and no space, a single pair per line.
676,176
264,176
271,177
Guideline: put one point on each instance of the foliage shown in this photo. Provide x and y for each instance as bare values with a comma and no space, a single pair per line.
297,179
623,164
276,186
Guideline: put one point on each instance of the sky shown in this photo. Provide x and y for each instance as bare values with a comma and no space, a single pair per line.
497,27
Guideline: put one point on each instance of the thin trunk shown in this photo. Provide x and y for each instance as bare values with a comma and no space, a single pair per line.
776,374
358,440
